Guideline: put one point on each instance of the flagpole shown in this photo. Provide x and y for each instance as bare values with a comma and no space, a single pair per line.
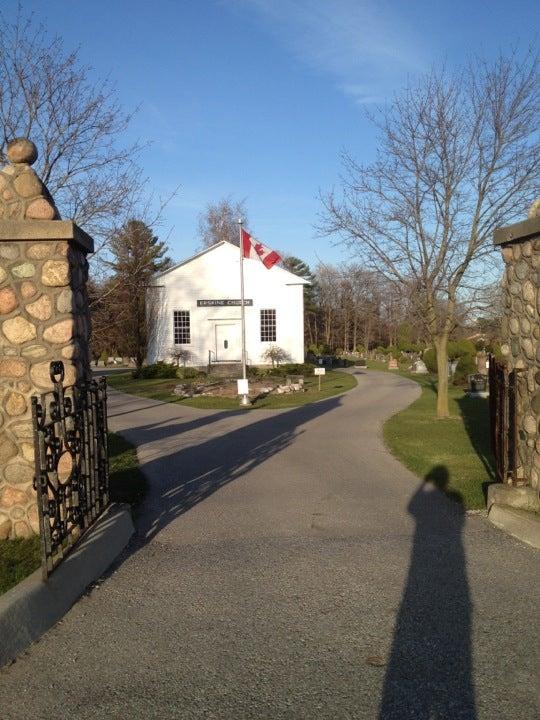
245,399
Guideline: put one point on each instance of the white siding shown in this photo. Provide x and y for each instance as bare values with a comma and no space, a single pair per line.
216,275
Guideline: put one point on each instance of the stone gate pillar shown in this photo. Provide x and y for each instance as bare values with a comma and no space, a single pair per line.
44,316
520,246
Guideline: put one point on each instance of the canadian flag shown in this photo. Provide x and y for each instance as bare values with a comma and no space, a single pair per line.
253,249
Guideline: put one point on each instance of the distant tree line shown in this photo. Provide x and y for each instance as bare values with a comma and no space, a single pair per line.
350,308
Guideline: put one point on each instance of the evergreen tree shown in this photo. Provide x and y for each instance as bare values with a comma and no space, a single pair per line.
137,256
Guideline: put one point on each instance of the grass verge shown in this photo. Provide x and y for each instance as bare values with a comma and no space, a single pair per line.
126,481
19,558
460,443
333,383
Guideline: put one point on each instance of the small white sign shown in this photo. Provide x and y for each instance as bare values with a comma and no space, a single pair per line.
243,386
320,371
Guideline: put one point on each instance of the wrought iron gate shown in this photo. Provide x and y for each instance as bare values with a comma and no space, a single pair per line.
71,462
503,425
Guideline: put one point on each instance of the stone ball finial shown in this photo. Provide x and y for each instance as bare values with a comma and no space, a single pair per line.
22,150
534,210
23,196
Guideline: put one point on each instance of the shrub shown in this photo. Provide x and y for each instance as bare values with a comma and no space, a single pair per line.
157,370
191,373
275,355
318,350
466,366
430,359
460,348
292,369
360,349
181,355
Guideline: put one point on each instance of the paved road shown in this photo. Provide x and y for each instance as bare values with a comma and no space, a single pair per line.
287,566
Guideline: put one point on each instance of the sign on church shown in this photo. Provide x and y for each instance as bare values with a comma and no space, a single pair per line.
223,303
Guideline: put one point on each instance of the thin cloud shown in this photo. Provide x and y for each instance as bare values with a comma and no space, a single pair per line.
366,47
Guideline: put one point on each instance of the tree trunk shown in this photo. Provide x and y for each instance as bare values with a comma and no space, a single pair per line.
310,320
367,335
328,328
140,332
441,349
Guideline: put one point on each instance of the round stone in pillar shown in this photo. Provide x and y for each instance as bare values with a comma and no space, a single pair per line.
22,150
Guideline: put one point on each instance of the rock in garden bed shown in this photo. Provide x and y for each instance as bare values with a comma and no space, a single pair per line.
228,388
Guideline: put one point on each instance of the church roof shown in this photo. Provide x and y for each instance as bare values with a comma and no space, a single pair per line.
294,279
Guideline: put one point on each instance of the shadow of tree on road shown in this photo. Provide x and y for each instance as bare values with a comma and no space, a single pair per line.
429,673
183,478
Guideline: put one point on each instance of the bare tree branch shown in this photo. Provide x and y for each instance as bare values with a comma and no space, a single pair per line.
78,126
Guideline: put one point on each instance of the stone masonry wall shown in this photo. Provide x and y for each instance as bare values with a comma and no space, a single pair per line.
521,328
44,316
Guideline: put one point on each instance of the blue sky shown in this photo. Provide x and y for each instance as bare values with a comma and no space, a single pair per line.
256,98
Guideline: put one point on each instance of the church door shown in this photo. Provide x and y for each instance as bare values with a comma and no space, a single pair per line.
228,343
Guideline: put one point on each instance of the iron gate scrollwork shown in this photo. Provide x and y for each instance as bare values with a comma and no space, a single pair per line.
71,462
503,420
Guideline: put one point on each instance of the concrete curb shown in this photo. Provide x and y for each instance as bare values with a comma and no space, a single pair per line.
32,607
523,525
520,498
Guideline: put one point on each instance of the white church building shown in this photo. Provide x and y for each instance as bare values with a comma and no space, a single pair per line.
195,305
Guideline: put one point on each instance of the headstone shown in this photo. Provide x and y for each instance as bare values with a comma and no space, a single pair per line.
393,364
482,363
419,367
477,385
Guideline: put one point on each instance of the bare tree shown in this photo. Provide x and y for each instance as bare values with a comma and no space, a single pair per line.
220,222
458,157
275,355
107,313
328,278
78,125
181,355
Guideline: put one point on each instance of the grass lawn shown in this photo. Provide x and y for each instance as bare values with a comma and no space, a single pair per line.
333,383
459,443
126,482
19,558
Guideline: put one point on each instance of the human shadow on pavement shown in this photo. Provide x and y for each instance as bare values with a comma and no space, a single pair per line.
180,479
429,672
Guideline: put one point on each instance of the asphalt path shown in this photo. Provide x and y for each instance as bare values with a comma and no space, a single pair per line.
287,566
